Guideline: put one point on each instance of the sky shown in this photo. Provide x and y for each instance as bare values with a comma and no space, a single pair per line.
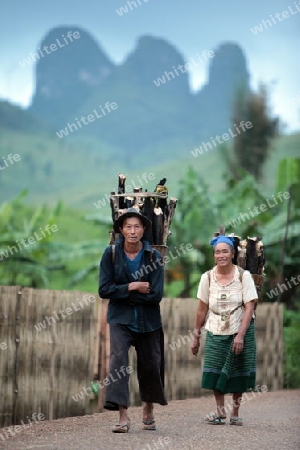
192,26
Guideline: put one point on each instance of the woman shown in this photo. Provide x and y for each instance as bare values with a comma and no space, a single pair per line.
227,304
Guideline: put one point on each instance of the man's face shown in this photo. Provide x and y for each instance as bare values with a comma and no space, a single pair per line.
132,230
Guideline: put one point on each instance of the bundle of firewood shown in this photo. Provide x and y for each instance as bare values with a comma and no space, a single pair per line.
249,254
154,205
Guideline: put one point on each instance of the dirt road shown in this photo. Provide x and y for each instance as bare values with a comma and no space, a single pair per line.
271,421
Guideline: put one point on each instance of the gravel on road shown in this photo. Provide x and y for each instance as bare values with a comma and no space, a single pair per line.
271,421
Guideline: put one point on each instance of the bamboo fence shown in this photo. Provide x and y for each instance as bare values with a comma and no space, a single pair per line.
41,371
183,370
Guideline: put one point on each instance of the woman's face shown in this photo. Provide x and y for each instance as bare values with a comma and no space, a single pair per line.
223,254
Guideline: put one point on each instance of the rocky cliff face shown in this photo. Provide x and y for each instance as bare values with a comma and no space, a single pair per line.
67,75
151,59
227,74
153,96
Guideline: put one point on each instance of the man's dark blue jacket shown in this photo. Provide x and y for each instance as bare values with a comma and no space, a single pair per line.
132,308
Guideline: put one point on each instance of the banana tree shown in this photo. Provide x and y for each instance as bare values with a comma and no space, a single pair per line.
284,230
195,220
26,245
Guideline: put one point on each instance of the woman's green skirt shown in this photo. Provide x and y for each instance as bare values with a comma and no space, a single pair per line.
225,371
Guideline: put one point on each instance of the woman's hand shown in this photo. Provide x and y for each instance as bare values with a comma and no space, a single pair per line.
238,344
195,345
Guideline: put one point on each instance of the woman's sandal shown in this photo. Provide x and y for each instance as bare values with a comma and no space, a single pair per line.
236,421
149,425
213,419
121,428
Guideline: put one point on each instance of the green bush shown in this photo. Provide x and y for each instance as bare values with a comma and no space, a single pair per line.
291,335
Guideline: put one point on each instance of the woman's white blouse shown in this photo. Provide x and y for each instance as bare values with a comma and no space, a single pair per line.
224,299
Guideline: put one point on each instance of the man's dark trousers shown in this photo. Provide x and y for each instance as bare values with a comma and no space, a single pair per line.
150,366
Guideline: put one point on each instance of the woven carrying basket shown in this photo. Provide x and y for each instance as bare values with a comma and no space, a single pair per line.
161,248
259,282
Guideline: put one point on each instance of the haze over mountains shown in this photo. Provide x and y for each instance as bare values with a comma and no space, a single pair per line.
139,116
154,102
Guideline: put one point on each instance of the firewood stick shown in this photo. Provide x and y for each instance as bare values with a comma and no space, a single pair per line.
121,190
251,255
147,210
157,226
114,205
138,200
167,223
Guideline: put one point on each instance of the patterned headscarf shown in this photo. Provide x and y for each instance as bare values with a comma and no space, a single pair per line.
226,239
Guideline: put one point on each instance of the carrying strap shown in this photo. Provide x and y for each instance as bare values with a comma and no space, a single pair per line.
231,312
241,272
240,269
113,253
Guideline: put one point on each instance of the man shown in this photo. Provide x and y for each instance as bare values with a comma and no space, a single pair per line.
131,276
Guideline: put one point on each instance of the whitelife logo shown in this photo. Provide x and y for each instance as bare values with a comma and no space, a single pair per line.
13,430
90,118
124,9
255,211
129,188
168,76
9,160
86,391
144,269
265,24
11,250
225,137
53,48
280,287
87,299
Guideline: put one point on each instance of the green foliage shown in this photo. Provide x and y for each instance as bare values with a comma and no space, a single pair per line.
274,229
53,259
288,173
13,117
291,349
83,169
27,250
86,241
199,215
50,168
252,146
288,177
237,206
195,218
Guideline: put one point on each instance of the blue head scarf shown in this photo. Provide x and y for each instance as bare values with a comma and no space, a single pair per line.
226,239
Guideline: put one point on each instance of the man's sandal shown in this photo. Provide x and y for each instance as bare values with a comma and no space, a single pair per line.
236,421
121,428
149,425
213,419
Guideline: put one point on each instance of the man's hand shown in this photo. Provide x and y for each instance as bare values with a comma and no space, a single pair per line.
195,345
141,286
